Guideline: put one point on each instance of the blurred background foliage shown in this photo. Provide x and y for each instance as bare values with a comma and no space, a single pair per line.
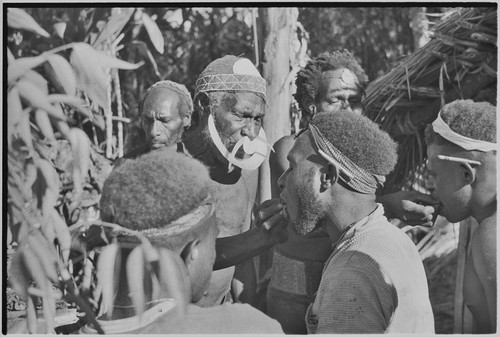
142,46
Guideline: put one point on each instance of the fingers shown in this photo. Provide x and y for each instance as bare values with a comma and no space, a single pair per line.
421,198
267,209
273,221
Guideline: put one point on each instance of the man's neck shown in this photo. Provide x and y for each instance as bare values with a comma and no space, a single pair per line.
482,212
349,209
208,155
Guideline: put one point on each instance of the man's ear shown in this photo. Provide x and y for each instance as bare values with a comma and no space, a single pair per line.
469,173
329,177
190,253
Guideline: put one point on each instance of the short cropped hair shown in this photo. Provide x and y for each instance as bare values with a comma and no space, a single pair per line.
185,105
359,139
476,120
309,78
154,190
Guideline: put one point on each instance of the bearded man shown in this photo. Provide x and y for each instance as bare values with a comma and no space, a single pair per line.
461,151
328,83
373,280
226,135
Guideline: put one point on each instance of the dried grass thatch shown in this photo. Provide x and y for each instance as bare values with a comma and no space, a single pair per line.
459,62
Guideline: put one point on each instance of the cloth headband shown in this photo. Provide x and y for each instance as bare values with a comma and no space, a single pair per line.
440,127
353,175
184,223
231,82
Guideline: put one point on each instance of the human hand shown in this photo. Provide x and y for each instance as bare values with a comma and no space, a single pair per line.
412,207
270,216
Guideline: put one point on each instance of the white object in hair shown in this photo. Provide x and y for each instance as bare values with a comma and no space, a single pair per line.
257,148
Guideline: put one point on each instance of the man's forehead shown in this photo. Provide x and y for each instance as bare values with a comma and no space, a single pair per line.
341,79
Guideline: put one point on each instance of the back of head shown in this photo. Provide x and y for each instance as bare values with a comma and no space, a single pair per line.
151,193
466,118
309,78
361,141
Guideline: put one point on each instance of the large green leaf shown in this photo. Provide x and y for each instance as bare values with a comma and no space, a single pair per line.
114,26
89,73
19,19
154,33
61,74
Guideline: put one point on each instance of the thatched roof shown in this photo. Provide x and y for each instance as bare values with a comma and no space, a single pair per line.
459,62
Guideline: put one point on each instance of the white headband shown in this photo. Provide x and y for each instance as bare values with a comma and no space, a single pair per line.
469,144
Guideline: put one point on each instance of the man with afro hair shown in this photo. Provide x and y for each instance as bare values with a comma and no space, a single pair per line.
373,280
177,217
461,151
328,83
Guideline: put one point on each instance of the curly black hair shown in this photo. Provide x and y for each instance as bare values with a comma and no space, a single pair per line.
476,120
154,190
359,139
309,78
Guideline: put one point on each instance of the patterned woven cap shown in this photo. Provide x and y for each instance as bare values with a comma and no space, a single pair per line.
231,73
353,175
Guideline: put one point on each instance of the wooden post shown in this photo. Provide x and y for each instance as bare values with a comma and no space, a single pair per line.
276,25
462,315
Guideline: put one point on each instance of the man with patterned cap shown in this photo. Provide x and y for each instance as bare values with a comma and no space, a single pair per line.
374,280
226,135
461,151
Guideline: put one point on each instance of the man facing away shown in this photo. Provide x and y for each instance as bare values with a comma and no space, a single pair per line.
177,215
461,151
373,280
328,83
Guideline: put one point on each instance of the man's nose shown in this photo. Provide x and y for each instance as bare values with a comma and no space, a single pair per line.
155,130
251,130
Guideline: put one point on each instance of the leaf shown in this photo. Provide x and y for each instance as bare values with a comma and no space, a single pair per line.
45,253
112,62
24,130
61,74
19,275
135,279
80,146
14,112
106,277
172,278
31,315
73,101
18,67
63,235
36,97
38,80
143,49
114,26
60,121
89,73
43,122
10,56
51,192
154,32
19,19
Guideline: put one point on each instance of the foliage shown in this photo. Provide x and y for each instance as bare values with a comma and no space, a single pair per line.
57,91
